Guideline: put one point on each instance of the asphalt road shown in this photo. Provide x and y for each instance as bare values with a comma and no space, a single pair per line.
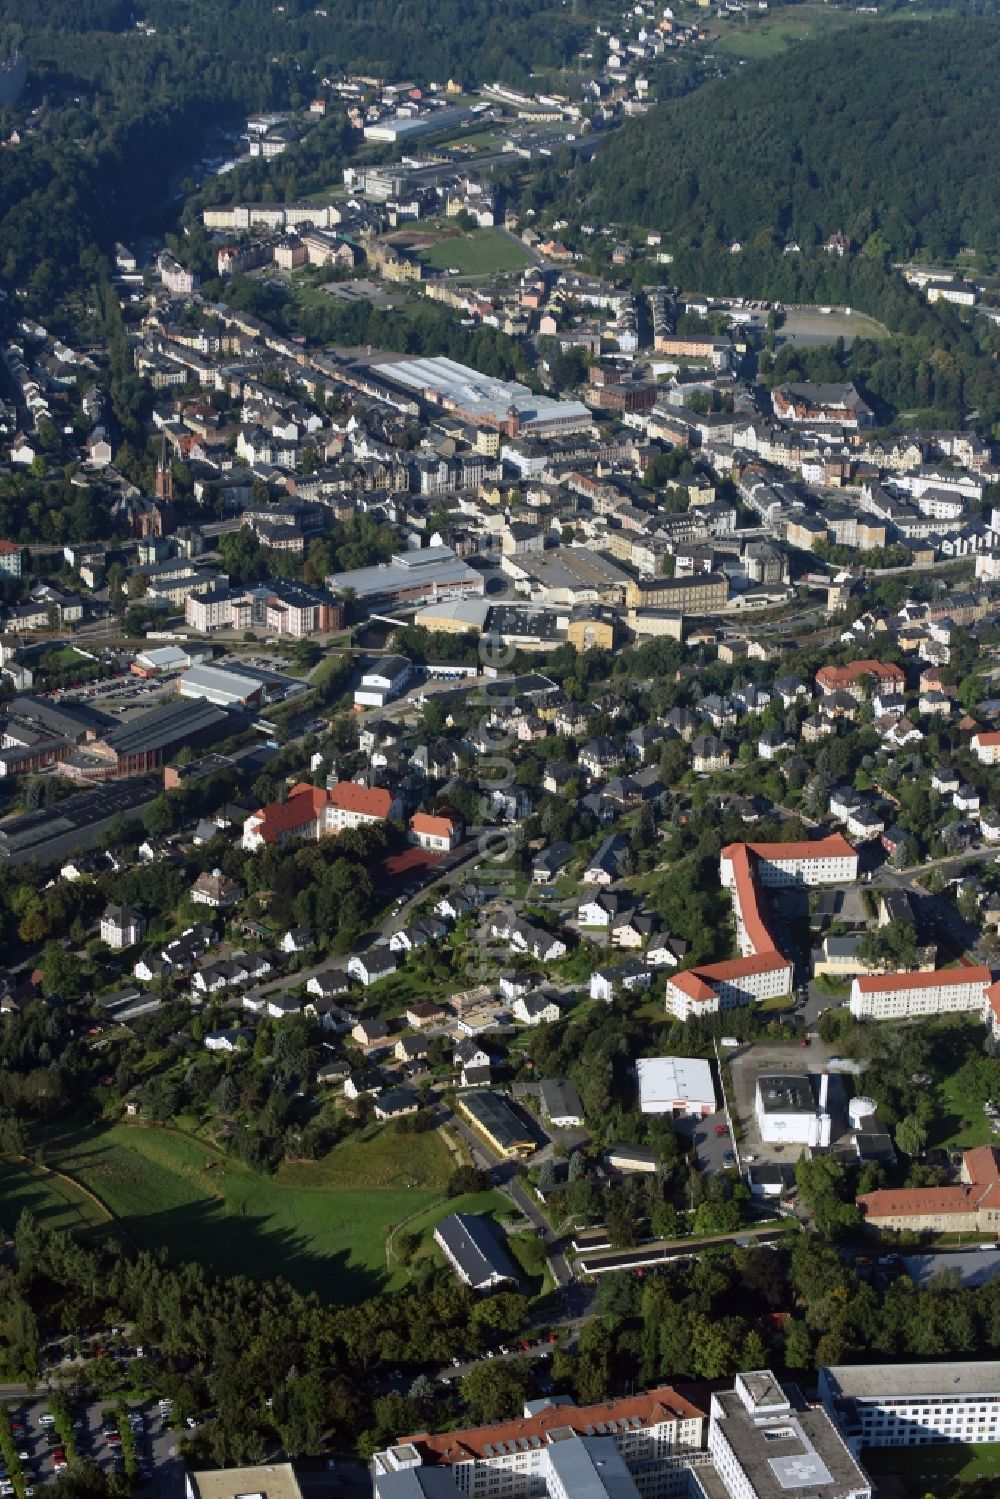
505,1174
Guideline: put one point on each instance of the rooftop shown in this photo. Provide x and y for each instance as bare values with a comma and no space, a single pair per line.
879,983
784,1447
659,1405
271,1481
786,1093
882,1381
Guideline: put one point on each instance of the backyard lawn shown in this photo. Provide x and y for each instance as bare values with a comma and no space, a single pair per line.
321,1225
946,1471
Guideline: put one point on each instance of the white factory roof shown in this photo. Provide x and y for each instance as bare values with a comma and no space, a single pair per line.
458,385
665,1081
471,612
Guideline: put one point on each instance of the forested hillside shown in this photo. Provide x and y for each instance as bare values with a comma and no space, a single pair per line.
888,132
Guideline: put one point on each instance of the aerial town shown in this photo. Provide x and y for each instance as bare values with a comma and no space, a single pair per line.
499,747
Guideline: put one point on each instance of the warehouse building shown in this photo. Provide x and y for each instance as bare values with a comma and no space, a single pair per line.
233,685
504,405
421,577
501,1122
681,1086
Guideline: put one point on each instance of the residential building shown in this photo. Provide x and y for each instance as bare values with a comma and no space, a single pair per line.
438,834
903,996
561,1105
122,926
216,890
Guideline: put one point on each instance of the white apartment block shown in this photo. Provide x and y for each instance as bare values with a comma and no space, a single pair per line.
715,987
902,996
657,1435
827,861
913,1405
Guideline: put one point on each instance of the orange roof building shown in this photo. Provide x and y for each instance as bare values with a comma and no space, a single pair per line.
631,1421
902,996
972,1207
762,971
436,833
852,677
300,815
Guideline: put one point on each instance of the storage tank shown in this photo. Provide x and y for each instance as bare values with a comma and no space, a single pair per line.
860,1109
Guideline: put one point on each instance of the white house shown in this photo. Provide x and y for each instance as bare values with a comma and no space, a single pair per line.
369,967
122,926
384,682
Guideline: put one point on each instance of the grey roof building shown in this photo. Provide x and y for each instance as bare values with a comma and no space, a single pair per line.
470,1244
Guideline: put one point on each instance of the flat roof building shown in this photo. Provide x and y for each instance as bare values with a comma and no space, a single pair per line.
267,1481
913,1405
766,1443
676,1085
421,577
787,1112
506,405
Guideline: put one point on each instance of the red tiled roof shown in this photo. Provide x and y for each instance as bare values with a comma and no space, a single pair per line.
303,805
982,1165
439,827
877,983
663,1404
989,738
835,846
749,898
917,1202
833,677
700,984
372,801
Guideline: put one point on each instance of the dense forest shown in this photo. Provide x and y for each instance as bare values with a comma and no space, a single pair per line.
117,111
885,133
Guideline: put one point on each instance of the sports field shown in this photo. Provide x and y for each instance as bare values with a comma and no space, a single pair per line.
481,252
321,1225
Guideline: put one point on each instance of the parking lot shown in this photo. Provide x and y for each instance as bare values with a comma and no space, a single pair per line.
155,1442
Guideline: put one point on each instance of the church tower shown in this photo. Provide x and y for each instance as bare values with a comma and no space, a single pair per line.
164,475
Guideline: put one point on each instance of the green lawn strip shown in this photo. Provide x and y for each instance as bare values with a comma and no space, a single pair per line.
942,1469
321,1226
129,1454
55,1201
